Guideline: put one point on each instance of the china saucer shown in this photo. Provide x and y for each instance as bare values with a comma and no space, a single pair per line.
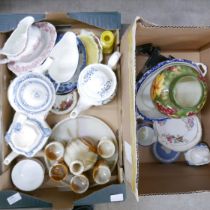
40,52
31,94
179,134
64,103
66,87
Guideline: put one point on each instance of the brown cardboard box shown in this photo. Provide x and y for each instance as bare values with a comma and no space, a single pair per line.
110,114
145,174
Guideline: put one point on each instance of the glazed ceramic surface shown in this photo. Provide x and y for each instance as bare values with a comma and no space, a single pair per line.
28,174
17,41
97,85
179,134
31,94
66,87
79,184
144,104
163,154
179,91
38,52
64,103
198,155
93,48
27,136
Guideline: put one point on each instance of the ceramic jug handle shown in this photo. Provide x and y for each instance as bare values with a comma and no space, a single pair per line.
81,106
113,60
4,61
203,68
10,158
45,66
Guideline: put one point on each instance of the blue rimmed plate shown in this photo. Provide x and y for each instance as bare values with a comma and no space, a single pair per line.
69,86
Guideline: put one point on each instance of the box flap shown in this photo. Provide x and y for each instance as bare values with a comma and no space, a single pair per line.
128,64
11,199
104,20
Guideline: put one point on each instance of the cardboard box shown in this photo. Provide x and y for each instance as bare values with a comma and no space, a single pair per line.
145,174
110,113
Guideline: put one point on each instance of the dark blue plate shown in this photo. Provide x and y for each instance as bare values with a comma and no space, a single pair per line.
69,86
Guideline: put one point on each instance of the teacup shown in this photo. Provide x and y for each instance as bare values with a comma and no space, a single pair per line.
97,85
60,66
26,37
105,147
26,136
79,184
54,151
101,173
58,172
80,155
17,41
28,174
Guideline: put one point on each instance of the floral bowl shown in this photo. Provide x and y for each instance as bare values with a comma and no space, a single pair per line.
179,91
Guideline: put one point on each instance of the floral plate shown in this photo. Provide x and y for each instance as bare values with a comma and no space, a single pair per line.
179,134
67,87
144,104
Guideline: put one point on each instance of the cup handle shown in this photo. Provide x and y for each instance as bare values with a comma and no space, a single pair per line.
4,61
45,66
81,106
113,60
10,158
203,68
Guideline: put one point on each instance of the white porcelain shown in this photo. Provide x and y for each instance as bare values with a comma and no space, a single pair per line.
69,129
64,59
179,134
26,136
97,85
64,103
54,151
41,40
198,155
80,155
28,174
32,94
106,147
17,41
101,173
79,184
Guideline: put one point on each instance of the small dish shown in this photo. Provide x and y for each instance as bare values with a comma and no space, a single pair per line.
179,134
64,103
28,174
69,86
31,94
40,51
179,91
164,154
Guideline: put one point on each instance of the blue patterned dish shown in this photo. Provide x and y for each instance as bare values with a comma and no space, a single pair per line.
31,94
164,154
69,86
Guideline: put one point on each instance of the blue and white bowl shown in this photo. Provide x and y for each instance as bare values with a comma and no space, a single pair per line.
31,94
164,154
69,86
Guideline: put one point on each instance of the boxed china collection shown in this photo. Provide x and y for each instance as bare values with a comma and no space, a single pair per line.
80,108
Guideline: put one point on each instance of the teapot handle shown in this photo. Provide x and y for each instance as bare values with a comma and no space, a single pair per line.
12,155
81,106
203,68
113,60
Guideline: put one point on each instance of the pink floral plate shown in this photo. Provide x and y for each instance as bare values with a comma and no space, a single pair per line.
179,134
40,51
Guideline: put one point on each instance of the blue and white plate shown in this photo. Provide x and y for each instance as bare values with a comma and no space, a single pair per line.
69,86
31,94
144,104
164,154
